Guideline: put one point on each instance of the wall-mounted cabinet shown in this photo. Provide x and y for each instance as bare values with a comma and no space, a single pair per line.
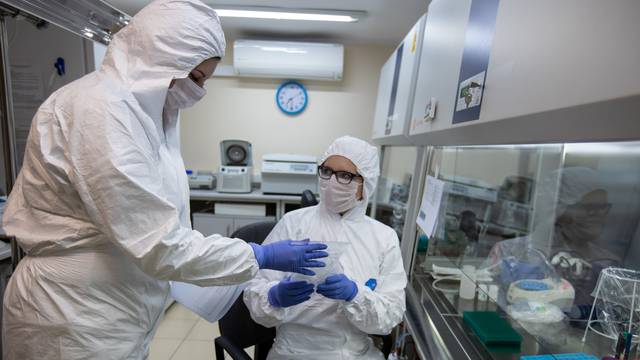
555,72
442,46
396,88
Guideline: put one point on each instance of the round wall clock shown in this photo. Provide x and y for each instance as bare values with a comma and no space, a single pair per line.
292,98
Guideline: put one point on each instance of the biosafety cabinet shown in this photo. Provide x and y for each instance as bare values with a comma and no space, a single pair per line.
522,232
396,89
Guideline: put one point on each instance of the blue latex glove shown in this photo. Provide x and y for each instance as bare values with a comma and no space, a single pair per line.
338,287
290,255
288,293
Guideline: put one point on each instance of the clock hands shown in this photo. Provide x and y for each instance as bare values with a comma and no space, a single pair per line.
291,98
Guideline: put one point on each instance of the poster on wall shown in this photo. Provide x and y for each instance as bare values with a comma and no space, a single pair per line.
475,60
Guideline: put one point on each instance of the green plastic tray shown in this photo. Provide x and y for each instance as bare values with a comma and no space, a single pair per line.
491,328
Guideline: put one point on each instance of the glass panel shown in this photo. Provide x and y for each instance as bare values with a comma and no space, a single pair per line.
526,231
394,185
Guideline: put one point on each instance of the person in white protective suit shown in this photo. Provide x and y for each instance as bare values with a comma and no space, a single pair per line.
364,294
101,205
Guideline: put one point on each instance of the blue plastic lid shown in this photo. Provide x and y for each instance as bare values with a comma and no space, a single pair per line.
533,285
189,172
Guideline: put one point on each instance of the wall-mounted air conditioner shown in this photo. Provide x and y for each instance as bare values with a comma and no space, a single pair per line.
286,59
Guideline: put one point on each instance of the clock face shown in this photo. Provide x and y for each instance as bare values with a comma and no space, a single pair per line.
292,98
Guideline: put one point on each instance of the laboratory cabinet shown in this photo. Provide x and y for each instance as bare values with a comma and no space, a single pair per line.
395,90
526,249
225,225
507,72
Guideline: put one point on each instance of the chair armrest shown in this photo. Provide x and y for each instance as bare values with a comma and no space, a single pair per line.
222,343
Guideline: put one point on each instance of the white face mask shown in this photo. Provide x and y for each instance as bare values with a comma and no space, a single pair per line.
184,94
338,198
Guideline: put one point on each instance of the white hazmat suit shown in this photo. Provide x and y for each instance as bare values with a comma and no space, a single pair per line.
322,328
101,205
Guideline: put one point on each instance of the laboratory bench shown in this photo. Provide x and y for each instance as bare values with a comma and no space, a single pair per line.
254,195
248,208
280,202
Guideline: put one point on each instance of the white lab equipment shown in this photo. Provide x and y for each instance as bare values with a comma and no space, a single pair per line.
289,174
236,170
201,180
541,319
468,282
549,291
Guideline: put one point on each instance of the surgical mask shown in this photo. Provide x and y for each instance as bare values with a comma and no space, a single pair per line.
184,94
338,198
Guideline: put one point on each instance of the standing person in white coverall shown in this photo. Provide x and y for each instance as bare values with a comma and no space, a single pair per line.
101,205
332,320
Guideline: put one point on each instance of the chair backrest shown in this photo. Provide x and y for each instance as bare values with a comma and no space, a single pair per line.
308,199
16,251
237,325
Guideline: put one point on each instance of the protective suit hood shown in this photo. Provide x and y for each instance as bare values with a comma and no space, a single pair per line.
366,159
144,57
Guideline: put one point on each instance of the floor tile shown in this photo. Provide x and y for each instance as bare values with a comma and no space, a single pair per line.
175,329
163,349
194,350
204,330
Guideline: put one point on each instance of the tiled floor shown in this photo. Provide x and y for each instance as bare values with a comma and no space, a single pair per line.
184,336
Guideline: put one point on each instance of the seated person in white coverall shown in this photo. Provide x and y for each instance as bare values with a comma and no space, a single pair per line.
365,296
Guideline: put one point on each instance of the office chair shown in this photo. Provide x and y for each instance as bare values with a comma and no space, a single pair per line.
238,331
16,251
308,199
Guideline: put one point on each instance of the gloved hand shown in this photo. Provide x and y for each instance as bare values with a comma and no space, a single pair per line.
290,255
338,287
288,293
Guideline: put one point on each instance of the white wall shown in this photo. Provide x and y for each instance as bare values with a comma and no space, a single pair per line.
245,108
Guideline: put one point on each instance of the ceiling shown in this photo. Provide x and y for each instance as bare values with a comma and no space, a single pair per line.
386,22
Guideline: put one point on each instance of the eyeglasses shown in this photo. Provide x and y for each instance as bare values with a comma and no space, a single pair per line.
343,177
